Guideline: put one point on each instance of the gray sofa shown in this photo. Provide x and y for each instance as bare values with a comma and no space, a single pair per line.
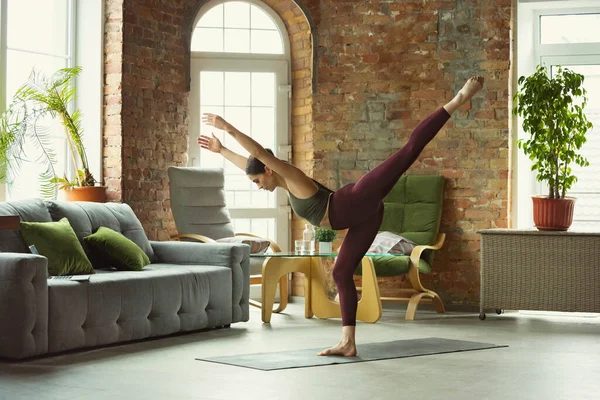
188,286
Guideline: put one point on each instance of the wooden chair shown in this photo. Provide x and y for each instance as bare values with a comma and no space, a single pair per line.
413,209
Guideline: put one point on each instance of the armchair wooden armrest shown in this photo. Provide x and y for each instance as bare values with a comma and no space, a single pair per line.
274,246
193,236
415,281
415,254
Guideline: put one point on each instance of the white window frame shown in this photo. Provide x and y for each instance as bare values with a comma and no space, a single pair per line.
250,62
86,49
282,211
530,53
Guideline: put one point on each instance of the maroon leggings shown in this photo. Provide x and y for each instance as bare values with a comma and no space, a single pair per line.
358,207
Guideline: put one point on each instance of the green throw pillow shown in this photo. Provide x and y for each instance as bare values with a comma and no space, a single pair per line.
59,244
122,253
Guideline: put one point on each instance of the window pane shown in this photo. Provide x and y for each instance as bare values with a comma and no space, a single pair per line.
247,28
241,225
19,66
237,89
242,199
586,207
587,188
206,129
228,197
240,118
237,40
231,168
582,28
207,39
262,197
209,159
238,182
211,88
260,19
263,89
27,184
263,227
39,26
213,18
263,126
237,15
266,42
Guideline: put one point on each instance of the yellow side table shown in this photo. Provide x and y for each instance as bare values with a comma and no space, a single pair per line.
317,303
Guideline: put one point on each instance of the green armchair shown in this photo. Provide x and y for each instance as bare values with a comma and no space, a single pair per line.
413,209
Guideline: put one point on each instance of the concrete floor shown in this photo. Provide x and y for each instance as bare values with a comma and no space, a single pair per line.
550,357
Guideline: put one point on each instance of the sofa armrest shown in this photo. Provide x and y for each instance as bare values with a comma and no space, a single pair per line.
223,254
234,256
23,305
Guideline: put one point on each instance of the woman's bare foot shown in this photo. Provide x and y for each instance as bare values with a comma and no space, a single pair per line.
472,86
347,345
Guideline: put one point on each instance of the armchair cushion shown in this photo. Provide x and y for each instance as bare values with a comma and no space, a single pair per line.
412,209
395,265
58,243
121,253
257,245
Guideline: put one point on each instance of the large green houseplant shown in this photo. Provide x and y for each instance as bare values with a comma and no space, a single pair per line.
552,108
26,121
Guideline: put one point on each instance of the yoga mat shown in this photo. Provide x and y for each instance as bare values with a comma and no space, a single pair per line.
366,352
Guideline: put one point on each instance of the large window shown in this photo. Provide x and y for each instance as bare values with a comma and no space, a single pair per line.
240,71
567,34
44,35
38,35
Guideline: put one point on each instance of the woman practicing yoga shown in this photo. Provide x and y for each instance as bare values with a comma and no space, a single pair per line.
337,210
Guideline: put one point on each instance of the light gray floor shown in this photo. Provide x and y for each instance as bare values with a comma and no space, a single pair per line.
550,357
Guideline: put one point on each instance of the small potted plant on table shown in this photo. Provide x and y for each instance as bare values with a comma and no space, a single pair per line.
325,237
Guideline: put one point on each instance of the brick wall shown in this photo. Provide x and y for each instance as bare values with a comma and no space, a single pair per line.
381,67
146,98
113,68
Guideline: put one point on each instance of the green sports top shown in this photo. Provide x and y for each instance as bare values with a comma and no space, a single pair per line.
313,208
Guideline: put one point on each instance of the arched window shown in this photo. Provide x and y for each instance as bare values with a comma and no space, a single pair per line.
237,27
240,70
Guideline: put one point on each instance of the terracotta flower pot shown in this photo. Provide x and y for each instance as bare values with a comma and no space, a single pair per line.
553,214
86,193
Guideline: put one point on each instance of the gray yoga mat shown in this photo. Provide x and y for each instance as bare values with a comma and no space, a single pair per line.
366,352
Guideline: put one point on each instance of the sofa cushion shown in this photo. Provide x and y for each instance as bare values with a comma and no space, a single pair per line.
58,243
30,210
87,217
117,306
122,253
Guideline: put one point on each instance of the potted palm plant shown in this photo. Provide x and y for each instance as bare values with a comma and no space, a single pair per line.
25,120
325,237
552,108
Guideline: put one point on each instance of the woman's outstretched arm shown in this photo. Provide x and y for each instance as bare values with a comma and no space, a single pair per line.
213,144
286,170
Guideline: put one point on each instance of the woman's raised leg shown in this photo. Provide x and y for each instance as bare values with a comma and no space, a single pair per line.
377,183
